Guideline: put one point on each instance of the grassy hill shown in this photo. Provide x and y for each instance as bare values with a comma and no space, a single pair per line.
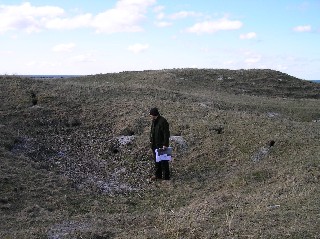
75,158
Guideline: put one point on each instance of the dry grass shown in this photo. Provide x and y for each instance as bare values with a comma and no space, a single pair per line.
63,173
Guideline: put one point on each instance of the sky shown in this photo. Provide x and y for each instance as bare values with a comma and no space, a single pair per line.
82,37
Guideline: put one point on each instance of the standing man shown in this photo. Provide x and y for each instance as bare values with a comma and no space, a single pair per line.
159,139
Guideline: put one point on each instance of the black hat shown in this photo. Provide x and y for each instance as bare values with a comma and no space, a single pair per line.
154,112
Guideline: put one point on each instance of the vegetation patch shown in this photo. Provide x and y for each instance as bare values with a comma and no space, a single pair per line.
75,159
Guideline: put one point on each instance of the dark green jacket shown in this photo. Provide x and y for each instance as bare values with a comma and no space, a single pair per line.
159,134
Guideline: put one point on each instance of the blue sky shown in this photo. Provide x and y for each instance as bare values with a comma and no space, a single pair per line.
96,36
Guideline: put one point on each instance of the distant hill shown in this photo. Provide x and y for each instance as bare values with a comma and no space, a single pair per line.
75,159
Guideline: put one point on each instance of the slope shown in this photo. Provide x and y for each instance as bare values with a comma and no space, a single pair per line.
75,164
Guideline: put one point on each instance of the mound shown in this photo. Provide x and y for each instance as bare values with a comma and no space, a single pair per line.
75,156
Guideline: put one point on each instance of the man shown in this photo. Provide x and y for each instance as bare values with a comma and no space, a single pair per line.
159,139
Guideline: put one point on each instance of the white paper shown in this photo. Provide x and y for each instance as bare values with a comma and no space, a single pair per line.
163,154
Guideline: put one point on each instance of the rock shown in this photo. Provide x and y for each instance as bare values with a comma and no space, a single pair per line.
125,140
263,152
180,141
272,114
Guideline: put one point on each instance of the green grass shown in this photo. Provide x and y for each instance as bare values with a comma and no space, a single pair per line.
61,177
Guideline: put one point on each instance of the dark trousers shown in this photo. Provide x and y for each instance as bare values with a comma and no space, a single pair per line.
161,168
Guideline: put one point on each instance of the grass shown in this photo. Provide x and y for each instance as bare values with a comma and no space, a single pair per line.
63,173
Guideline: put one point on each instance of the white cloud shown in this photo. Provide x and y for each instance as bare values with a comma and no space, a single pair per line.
160,16
306,28
138,48
163,18
214,26
26,17
126,16
63,47
184,14
163,24
249,35
69,23
158,9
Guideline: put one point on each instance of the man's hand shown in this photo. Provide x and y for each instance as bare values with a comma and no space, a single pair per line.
164,147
